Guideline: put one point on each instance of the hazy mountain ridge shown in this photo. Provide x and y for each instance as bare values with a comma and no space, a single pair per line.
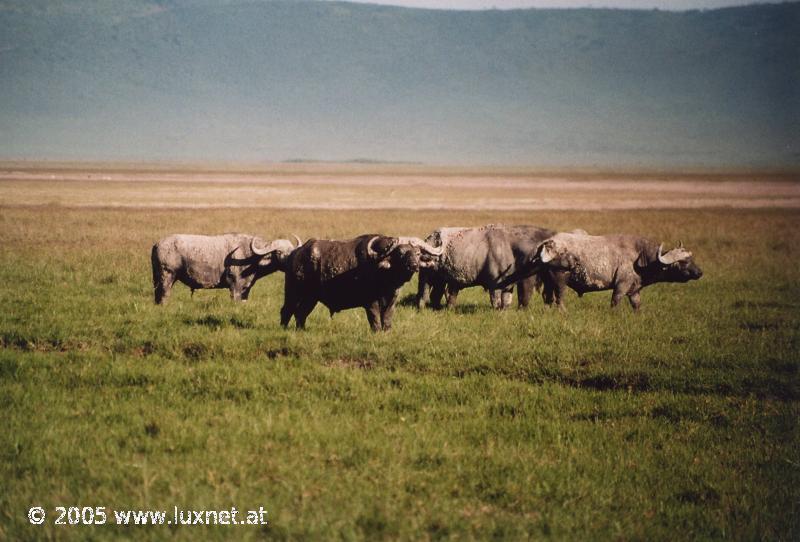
248,80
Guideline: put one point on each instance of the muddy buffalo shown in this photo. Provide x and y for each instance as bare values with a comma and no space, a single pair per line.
483,256
367,272
622,263
234,261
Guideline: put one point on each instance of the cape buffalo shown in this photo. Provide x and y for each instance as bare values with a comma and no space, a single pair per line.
481,256
234,261
622,263
367,272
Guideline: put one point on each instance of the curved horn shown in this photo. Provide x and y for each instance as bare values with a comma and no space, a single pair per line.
432,250
299,242
660,257
259,251
419,243
370,252
680,244
544,253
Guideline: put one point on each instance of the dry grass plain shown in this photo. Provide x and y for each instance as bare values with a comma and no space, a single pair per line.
680,421
327,186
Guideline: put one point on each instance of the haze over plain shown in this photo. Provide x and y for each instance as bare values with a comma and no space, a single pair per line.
244,81
522,4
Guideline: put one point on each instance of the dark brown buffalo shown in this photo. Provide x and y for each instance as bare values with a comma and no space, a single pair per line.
367,272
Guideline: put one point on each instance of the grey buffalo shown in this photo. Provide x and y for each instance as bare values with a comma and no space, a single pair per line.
483,256
367,272
622,263
234,261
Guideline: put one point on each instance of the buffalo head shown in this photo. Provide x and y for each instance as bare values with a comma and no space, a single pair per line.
275,253
677,265
549,253
408,254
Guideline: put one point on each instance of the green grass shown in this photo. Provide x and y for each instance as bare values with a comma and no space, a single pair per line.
678,422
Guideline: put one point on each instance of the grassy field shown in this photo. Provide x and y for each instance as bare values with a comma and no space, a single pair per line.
678,422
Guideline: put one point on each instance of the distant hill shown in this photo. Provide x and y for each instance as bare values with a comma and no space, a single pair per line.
250,80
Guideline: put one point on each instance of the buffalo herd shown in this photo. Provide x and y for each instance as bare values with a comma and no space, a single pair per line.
368,271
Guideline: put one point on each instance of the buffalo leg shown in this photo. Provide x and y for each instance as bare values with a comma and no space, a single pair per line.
635,299
423,290
164,287
525,291
287,311
506,297
374,315
289,303
548,288
387,313
437,293
560,290
496,299
452,295
245,293
501,299
302,311
621,289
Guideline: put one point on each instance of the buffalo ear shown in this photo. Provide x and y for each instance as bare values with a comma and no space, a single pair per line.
395,242
547,251
270,257
384,264
645,259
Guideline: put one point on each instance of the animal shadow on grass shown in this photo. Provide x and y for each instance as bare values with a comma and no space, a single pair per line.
215,322
470,308
410,300
763,305
780,387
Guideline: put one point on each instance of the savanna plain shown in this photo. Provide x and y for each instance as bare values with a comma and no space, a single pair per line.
680,421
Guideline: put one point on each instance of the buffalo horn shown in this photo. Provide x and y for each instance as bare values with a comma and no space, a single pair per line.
673,255
544,252
660,257
419,243
370,252
259,251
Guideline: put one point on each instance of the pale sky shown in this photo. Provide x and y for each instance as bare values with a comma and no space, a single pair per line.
514,4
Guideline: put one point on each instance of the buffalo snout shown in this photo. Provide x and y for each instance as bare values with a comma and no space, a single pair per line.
684,272
695,272
411,260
